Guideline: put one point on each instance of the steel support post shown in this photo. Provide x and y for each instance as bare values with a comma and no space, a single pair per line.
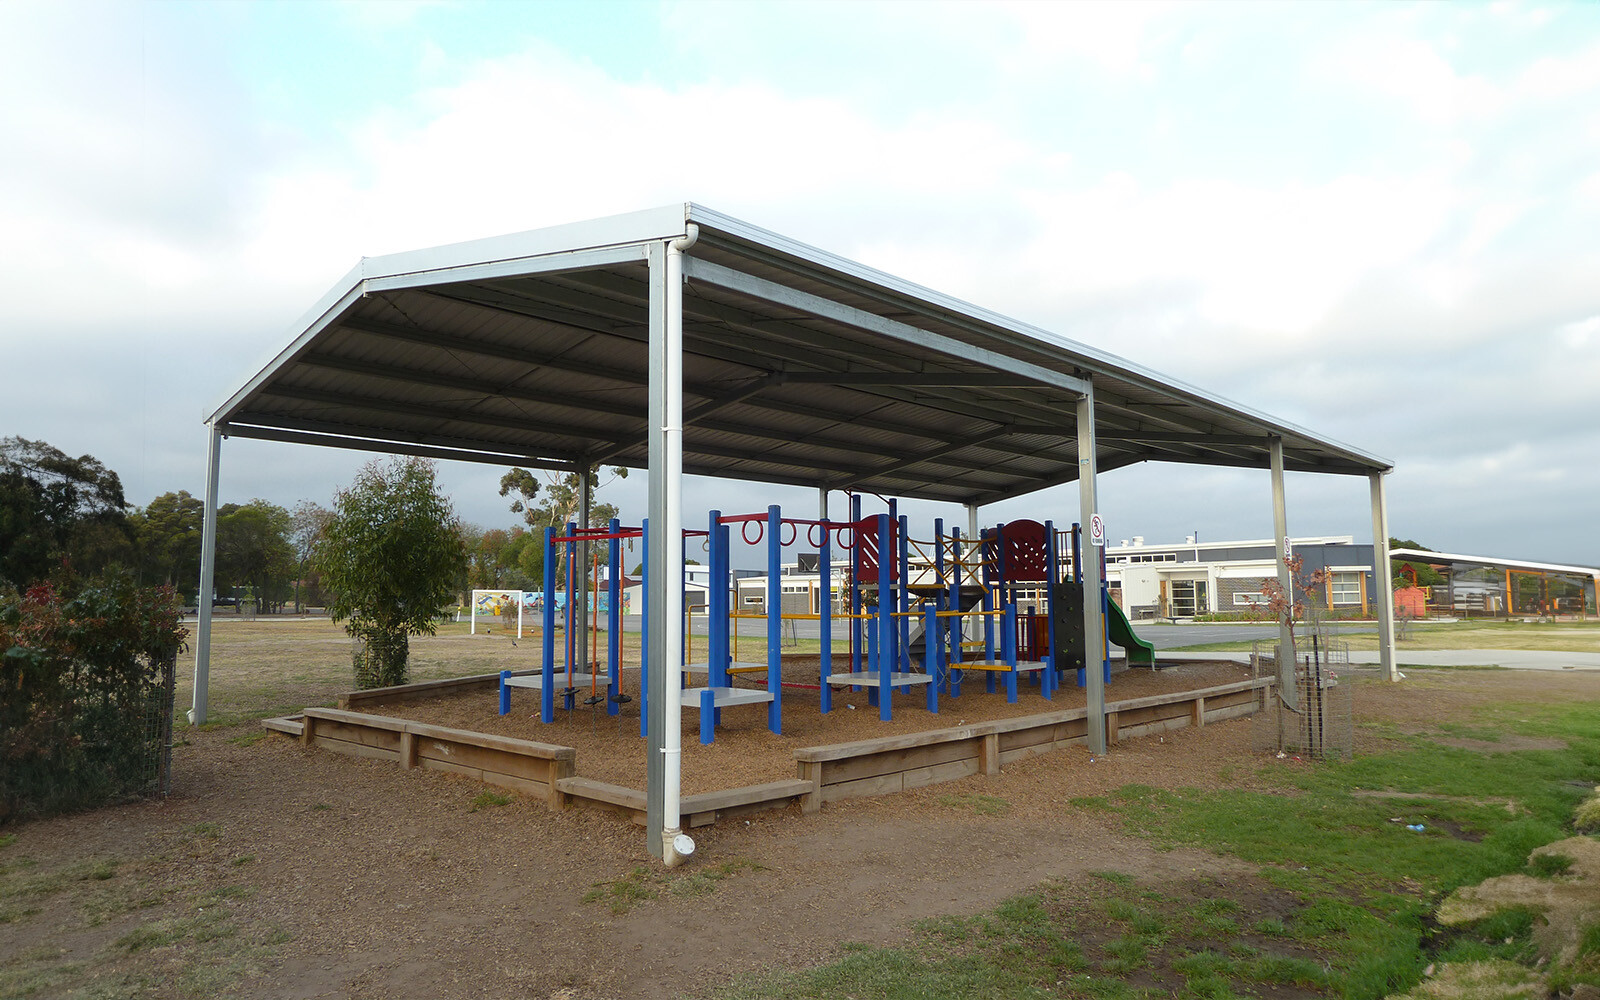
661,624
1280,530
1381,578
208,579
1094,642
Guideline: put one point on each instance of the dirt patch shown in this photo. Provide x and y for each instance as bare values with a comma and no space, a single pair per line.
287,872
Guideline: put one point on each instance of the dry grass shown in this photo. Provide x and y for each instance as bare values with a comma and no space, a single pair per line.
266,667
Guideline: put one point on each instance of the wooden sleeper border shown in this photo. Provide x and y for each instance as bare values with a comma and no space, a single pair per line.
825,773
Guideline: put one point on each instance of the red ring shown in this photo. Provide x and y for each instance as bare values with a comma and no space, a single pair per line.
761,530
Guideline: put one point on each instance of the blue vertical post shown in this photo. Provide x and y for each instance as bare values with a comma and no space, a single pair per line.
991,583
644,629
855,585
902,602
729,625
886,657
825,611
775,618
932,653
547,690
1008,647
505,693
613,618
717,605
708,715
953,684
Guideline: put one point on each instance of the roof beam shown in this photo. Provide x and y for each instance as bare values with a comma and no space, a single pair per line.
770,291
294,421
391,447
341,399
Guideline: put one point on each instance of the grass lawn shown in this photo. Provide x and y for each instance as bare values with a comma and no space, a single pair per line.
1341,905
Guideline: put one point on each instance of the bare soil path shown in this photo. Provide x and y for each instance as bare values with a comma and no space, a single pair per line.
274,871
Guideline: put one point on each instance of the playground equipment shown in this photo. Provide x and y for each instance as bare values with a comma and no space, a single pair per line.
917,614
576,675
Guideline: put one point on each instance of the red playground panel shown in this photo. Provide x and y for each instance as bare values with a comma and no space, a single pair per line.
866,534
1026,551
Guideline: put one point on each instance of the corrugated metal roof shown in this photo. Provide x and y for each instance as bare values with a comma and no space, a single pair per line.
1515,565
799,367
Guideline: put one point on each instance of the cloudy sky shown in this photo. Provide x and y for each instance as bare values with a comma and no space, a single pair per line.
1380,222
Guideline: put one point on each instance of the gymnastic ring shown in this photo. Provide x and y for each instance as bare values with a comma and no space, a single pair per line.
811,534
761,530
794,532
839,535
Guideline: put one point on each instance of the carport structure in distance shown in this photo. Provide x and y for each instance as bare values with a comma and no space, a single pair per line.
683,341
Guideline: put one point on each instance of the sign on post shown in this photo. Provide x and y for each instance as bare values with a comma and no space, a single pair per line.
1097,531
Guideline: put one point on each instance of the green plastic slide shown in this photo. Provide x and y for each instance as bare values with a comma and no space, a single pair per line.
1121,634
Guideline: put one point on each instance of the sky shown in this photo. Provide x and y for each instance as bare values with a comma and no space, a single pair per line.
1380,222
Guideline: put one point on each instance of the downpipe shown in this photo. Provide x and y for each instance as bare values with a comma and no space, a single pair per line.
676,846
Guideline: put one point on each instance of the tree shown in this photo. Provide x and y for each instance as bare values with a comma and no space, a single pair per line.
57,511
306,523
1425,575
560,504
253,551
391,557
167,534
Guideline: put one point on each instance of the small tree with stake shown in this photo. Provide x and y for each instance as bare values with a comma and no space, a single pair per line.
390,556
1299,603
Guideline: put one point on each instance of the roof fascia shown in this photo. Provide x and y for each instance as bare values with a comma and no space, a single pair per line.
616,230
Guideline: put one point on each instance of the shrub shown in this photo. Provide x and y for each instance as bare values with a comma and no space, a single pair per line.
79,679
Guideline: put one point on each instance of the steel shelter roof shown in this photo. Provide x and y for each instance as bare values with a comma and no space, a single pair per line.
1515,565
800,367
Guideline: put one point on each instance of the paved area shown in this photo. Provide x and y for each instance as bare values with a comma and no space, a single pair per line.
1511,659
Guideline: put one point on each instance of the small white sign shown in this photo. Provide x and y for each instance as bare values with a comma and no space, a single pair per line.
1097,531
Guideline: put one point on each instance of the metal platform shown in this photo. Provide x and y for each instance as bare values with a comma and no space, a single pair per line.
723,697
872,680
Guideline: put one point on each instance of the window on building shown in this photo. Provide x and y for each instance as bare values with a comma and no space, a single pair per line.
1346,589
1246,600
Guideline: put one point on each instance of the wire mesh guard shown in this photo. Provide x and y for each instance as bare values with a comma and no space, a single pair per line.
1321,726
156,760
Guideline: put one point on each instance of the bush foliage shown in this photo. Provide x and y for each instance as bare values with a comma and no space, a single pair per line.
77,680
391,556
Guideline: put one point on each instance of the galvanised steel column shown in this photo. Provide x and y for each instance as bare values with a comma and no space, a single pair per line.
1280,529
1381,577
208,579
660,625
1094,641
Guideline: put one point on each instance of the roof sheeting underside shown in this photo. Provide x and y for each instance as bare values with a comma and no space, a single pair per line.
553,369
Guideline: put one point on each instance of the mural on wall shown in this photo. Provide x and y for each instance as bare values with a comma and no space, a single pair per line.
495,604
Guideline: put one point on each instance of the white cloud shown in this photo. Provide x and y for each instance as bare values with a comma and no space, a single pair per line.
1032,160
